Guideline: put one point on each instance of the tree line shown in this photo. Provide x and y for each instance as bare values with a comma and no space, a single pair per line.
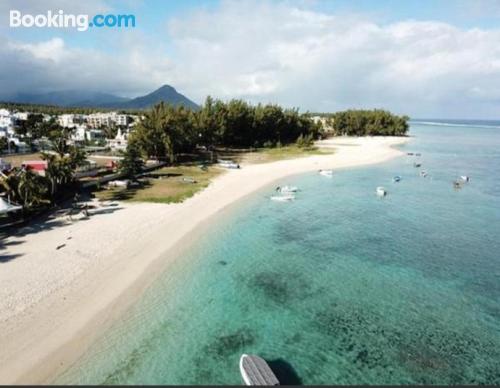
54,110
165,130
375,122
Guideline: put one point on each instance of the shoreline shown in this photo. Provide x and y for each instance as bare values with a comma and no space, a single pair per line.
116,254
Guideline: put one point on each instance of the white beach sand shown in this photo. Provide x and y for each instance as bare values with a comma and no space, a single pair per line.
55,302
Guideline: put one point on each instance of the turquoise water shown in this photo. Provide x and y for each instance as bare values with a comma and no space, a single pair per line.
338,287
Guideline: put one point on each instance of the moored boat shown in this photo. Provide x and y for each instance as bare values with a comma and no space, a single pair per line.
283,197
119,183
287,189
228,164
381,192
465,178
396,179
423,173
328,173
255,371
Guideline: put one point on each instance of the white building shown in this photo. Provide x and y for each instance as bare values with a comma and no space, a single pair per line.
120,141
6,124
97,120
66,121
79,132
6,119
70,120
121,119
21,115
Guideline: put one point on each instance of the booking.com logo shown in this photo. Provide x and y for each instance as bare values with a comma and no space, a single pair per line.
62,20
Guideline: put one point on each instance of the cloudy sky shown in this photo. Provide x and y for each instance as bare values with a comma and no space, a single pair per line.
425,58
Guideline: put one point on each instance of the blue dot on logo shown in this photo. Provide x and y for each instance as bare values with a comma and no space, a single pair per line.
91,24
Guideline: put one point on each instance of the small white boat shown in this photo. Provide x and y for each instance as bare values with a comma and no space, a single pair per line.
283,198
396,179
328,173
287,189
465,178
189,180
381,192
119,183
226,164
255,371
423,174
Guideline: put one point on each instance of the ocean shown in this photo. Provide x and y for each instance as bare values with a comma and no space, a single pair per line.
339,286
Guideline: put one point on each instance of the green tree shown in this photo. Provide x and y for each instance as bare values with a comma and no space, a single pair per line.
207,123
149,133
59,171
306,141
25,187
32,188
132,163
375,122
110,131
63,161
9,184
164,131
4,143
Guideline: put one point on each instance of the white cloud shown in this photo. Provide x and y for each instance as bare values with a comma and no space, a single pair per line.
129,68
285,53
53,49
281,53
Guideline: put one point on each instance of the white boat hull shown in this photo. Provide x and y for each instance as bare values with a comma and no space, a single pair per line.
327,173
255,371
288,189
282,198
381,191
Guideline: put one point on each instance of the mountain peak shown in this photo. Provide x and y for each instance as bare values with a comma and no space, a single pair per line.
165,93
79,98
165,88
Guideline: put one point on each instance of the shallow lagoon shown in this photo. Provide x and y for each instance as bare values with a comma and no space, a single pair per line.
338,287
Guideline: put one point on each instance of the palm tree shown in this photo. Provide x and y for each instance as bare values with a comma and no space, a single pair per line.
59,171
61,164
32,188
9,184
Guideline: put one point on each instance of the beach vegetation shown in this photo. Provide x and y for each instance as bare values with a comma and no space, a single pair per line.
166,131
132,162
170,184
305,142
25,187
358,122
